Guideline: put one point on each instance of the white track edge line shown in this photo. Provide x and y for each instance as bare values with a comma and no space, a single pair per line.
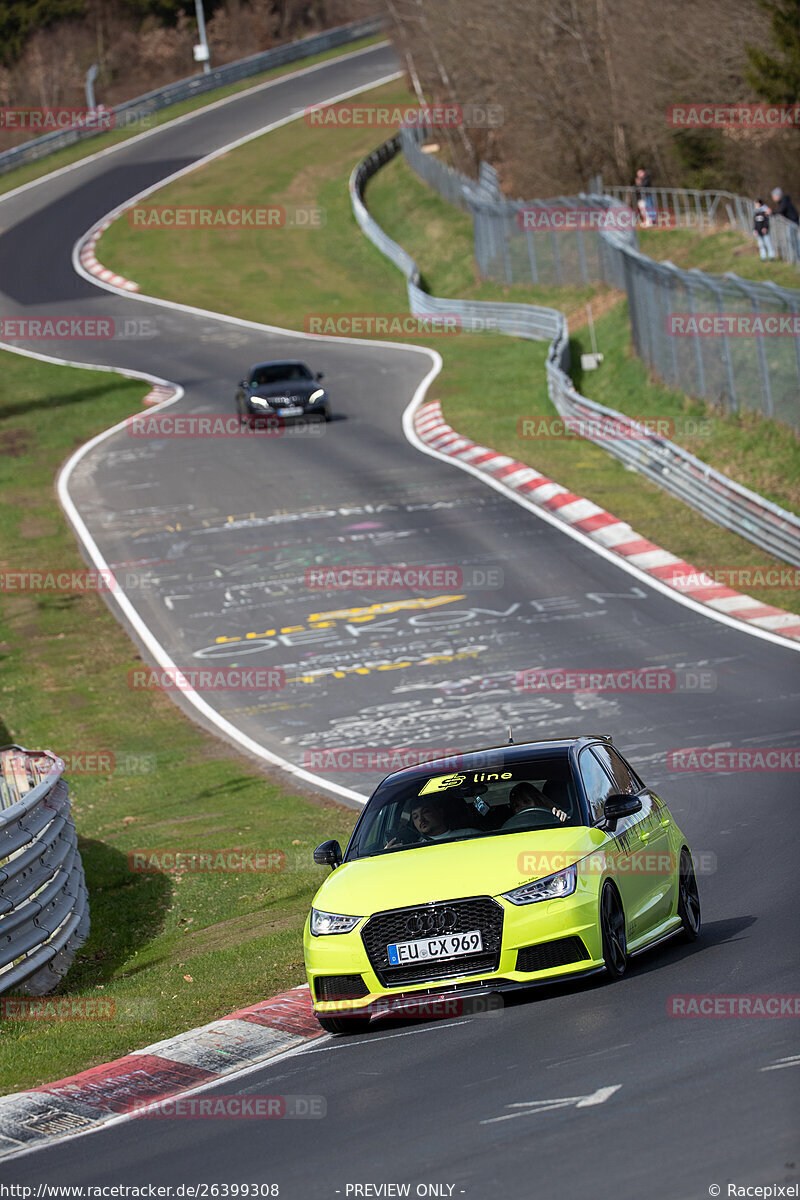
579,536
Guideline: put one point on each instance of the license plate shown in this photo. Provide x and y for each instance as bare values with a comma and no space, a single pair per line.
450,945
294,411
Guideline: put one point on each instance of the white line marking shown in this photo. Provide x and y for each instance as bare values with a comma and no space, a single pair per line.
533,1107
792,1061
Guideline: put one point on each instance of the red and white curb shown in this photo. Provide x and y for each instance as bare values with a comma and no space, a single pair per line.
159,393
158,1072
90,262
603,527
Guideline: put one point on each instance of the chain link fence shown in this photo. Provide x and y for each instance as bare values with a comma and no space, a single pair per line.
728,340
135,112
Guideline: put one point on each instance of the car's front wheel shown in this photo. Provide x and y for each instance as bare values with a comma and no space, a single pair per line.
688,898
344,1024
612,929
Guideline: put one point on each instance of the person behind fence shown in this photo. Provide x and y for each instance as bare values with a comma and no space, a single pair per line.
644,201
782,207
761,230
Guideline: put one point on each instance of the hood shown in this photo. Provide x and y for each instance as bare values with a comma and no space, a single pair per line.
475,867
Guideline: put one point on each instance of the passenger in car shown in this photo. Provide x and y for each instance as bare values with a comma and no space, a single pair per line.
525,796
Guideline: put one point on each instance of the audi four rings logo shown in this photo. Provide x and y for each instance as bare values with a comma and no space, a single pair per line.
439,920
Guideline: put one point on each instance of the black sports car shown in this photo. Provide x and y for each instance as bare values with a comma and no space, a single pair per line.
285,389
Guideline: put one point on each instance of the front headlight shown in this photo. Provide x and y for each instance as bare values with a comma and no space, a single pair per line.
325,922
553,887
258,401
317,395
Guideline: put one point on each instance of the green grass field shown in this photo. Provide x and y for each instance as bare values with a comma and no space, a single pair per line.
718,252
171,951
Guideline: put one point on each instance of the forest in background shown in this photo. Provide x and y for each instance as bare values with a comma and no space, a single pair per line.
47,46
584,85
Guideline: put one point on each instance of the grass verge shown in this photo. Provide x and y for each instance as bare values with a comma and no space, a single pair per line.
249,274
167,951
717,252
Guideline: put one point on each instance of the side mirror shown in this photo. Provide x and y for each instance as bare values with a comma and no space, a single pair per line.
320,375
617,806
243,383
329,854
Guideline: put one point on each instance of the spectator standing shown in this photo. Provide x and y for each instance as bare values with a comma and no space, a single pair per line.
644,201
782,206
761,230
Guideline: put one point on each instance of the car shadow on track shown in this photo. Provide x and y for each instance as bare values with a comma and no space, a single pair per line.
712,934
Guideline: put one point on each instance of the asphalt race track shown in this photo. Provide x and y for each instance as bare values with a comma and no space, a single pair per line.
218,534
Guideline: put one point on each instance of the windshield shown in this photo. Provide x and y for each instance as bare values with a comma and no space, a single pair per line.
535,794
279,373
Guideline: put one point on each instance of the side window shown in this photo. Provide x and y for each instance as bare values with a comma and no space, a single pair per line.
596,783
624,779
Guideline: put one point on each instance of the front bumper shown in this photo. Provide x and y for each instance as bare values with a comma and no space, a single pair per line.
525,928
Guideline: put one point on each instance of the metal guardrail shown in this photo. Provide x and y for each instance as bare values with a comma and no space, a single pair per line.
720,499
132,112
44,905
738,372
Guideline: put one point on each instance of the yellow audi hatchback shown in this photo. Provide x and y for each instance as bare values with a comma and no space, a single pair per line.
502,868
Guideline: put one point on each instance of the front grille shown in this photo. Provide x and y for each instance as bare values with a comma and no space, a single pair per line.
455,916
551,954
340,987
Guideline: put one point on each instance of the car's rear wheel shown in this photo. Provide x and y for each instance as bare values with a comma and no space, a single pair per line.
344,1024
688,898
612,929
